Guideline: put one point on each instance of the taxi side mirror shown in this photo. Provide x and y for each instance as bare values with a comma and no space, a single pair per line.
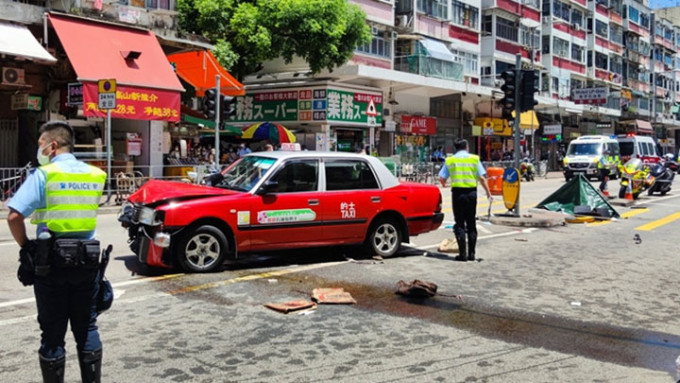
269,186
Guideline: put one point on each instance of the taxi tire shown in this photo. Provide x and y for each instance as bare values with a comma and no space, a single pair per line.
384,238
203,235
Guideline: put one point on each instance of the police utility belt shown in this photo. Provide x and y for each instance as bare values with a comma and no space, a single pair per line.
65,253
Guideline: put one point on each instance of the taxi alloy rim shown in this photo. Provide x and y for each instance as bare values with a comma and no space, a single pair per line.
202,250
386,238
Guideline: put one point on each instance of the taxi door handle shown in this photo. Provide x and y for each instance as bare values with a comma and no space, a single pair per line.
313,202
375,199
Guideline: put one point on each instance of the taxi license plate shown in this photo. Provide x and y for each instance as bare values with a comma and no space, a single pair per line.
591,171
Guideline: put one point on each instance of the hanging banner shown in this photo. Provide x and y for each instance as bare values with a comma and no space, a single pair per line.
418,125
134,103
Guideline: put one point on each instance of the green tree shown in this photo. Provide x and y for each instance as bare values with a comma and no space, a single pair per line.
249,32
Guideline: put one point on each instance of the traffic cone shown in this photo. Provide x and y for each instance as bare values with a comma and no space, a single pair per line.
629,193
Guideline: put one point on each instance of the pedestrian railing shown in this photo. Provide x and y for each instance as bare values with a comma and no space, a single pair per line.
11,179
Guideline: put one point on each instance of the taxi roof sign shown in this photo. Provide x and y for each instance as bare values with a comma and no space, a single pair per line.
107,86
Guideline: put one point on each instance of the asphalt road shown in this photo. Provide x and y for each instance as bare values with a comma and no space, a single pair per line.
574,303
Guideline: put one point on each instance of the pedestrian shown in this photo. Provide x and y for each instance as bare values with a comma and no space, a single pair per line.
603,168
465,170
243,150
269,148
63,195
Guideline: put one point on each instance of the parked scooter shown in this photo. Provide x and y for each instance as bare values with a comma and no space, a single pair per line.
661,177
671,162
635,174
527,169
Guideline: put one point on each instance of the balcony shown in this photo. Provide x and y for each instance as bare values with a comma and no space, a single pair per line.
429,67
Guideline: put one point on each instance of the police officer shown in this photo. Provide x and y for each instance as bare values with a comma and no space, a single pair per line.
603,167
465,170
63,195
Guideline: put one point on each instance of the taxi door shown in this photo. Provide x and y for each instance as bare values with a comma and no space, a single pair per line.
290,213
352,199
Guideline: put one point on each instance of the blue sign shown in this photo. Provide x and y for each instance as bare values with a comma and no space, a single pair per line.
510,187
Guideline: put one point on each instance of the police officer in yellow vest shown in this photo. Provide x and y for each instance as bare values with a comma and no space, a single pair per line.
63,195
465,170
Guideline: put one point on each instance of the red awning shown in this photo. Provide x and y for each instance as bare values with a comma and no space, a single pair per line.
199,69
147,87
644,127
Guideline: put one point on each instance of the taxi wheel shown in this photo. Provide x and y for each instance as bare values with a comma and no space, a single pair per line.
202,250
384,238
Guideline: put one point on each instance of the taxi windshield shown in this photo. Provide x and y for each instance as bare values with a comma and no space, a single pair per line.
244,174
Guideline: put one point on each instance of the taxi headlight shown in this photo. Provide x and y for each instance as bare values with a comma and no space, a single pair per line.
149,217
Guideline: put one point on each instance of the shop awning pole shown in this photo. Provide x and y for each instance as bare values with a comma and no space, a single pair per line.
217,120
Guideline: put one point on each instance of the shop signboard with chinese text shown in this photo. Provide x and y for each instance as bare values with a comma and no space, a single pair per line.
418,125
22,101
317,104
134,103
75,94
590,95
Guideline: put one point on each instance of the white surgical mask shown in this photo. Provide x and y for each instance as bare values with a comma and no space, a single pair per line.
43,159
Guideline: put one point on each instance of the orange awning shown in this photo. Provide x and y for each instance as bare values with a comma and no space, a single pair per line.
98,51
199,69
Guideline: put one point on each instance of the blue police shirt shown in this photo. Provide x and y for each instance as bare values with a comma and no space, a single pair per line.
31,194
444,172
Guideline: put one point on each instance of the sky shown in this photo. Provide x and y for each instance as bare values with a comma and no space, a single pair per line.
654,4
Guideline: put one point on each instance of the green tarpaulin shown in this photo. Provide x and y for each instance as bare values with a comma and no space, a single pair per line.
577,192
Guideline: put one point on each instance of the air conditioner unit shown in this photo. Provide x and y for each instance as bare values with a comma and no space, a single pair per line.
576,27
13,76
402,21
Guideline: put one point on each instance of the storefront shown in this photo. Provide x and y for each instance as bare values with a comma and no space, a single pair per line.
413,141
147,91
323,116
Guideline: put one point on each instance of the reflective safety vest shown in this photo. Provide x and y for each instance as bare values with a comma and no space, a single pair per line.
463,171
71,199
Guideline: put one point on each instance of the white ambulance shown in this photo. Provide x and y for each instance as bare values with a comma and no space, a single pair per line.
583,155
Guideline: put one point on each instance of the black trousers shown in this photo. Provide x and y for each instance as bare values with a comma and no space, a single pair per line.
465,213
604,177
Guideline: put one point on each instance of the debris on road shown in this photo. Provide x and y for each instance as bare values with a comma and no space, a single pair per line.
637,239
448,246
286,307
417,289
521,239
576,303
335,295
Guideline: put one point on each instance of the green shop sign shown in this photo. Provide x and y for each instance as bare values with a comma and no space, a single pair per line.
314,104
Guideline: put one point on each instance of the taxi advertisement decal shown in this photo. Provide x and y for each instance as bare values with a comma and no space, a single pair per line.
285,216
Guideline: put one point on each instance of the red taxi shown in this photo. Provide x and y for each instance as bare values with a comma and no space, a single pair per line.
275,201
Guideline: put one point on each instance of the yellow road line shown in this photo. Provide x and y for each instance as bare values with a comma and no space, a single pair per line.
659,222
627,214
252,277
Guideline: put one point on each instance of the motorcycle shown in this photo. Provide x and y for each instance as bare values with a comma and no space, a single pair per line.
671,163
661,177
634,174
527,170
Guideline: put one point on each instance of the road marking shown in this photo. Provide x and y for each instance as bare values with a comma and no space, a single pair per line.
627,214
515,232
659,222
253,277
115,286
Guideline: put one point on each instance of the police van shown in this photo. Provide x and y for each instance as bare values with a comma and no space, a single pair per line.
583,156
642,147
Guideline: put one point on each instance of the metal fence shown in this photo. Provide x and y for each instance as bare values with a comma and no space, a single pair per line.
11,179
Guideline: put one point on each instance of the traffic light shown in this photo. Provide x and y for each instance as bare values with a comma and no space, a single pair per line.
210,104
227,107
527,90
509,91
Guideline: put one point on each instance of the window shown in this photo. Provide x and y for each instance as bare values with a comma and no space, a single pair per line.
616,35
644,20
601,61
349,175
469,61
531,38
561,10
379,46
616,65
464,14
577,52
546,45
601,29
633,14
561,47
297,176
577,17
487,23
506,29
434,8
158,4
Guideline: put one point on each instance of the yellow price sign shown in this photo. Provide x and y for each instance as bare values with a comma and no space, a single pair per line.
107,86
